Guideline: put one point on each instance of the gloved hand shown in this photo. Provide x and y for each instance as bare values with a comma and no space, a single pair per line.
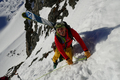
87,54
69,61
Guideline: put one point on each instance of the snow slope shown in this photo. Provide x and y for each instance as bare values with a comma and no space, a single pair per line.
97,22
12,40
8,9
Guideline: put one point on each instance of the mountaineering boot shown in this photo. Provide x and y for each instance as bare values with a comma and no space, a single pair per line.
61,58
55,64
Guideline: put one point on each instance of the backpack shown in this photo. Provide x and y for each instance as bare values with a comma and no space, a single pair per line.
60,39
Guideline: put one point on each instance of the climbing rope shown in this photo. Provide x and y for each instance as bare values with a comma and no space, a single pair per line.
81,59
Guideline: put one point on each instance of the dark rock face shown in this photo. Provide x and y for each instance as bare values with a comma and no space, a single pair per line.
72,3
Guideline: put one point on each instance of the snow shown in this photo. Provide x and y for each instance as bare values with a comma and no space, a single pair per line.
97,22
12,38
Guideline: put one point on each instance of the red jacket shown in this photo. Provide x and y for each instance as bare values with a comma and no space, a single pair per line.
61,46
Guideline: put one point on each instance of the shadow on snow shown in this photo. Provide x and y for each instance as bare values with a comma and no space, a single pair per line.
91,38
3,22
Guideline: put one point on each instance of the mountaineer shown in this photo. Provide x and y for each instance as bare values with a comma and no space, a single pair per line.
63,41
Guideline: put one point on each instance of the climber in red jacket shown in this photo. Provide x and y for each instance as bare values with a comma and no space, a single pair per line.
63,42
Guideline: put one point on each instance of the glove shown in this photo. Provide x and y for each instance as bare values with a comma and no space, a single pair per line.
69,61
87,54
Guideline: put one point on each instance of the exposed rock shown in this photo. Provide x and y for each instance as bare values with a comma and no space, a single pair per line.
72,3
55,14
38,51
49,3
33,61
45,55
12,71
28,5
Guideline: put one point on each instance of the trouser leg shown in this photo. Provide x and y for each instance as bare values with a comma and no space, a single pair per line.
57,54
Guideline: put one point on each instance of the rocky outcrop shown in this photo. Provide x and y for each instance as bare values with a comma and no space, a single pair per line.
12,71
72,3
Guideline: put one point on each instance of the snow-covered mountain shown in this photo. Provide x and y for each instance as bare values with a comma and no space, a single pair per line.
97,22
8,9
12,36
